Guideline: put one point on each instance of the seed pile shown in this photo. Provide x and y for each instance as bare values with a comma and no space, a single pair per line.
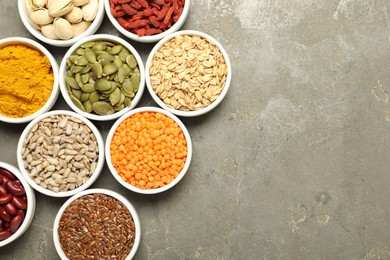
188,72
146,17
13,204
96,226
148,150
60,153
102,77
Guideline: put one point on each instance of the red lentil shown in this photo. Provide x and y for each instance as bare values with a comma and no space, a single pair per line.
146,17
148,150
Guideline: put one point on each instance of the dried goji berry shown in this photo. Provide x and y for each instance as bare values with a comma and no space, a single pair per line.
147,12
128,9
143,3
136,5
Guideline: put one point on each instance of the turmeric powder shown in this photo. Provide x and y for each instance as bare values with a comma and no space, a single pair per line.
26,80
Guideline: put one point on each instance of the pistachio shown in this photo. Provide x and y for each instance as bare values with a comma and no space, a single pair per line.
37,4
90,10
58,8
48,31
79,28
75,15
62,28
80,2
41,17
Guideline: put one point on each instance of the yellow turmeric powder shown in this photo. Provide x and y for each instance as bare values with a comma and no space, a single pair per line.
26,80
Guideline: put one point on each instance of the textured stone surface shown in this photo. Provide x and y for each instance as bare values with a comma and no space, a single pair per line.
293,164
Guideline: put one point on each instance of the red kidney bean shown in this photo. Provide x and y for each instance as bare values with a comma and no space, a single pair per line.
14,189
6,224
4,214
15,223
3,190
5,180
19,203
7,174
1,178
5,234
10,208
4,199
20,212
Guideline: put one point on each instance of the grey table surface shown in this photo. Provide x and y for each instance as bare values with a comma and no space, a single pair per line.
293,164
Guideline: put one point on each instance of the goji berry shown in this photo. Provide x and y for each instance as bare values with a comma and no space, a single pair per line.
146,17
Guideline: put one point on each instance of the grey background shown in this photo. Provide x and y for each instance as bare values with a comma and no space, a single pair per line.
293,164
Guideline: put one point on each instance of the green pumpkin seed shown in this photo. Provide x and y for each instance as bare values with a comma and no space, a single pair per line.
102,85
127,86
127,102
86,69
118,61
97,70
135,81
102,108
119,107
90,55
77,102
87,106
76,69
131,61
73,58
94,97
88,45
115,96
108,57
85,78
84,97
100,46
78,79
88,88
116,49
80,51
110,69
82,61
76,93
123,54
71,82
121,74
122,98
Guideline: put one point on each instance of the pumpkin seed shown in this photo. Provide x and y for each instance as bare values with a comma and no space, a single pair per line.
102,85
116,49
87,106
110,69
90,55
88,45
97,70
102,108
88,88
131,61
115,97
94,97
71,82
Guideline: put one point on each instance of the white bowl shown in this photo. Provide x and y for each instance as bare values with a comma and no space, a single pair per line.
129,206
109,38
54,94
153,190
194,112
153,38
23,13
30,195
91,179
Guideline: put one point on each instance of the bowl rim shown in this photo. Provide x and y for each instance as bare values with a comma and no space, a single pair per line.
206,109
153,38
31,203
94,26
54,65
103,37
114,194
91,179
176,180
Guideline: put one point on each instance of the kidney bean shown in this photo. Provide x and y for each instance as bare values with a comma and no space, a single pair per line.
20,212
2,190
10,208
5,234
14,189
19,203
4,199
7,174
15,223
4,214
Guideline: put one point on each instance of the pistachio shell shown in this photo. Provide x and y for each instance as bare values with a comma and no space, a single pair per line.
48,31
41,17
80,2
75,15
79,28
62,28
36,4
58,8
90,10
